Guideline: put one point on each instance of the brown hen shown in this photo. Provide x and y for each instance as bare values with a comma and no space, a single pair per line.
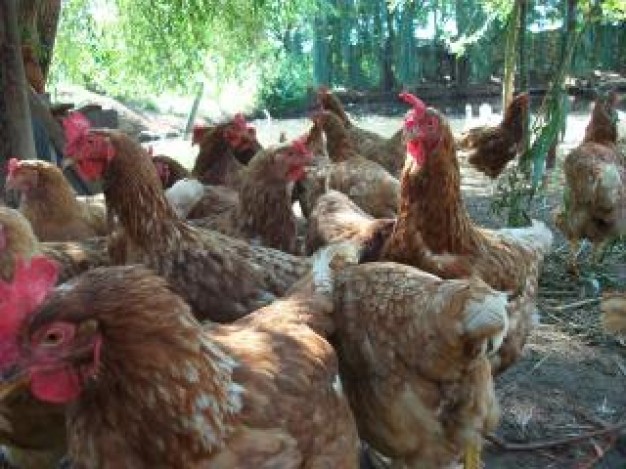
261,392
432,213
367,183
224,150
264,213
594,199
17,241
50,205
491,148
388,152
221,278
413,357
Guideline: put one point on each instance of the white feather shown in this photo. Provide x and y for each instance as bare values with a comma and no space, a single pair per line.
538,236
183,195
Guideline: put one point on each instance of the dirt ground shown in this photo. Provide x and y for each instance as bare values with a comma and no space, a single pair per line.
572,377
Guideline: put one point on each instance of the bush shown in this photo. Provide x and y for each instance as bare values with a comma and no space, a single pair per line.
284,85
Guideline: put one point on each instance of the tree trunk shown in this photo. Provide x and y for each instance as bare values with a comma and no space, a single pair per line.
461,62
523,66
388,79
510,54
17,127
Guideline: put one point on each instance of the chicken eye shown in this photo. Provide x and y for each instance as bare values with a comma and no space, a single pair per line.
53,337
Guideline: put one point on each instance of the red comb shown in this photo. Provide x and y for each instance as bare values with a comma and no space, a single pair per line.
240,121
76,127
199,130
32,281
300,146
12,165
414,101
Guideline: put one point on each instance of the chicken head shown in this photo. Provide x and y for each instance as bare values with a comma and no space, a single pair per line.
421,129
56,357
31,283
20,176
91,150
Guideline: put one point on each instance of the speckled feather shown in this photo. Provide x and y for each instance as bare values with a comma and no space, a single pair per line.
256,393
367,183
263,214
412,356
387,152
221,278
51,206
432,213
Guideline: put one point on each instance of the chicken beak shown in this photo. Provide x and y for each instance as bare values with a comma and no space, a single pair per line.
11,381
67,162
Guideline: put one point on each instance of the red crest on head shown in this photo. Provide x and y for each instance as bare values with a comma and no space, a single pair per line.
12,165
32,281
413,117
198,133
299,145
239,121
76,127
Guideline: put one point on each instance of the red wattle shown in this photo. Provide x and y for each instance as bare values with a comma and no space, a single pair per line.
58,386
416,150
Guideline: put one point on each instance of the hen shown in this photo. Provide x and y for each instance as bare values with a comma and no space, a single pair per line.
432,214
261,392
264,214
594,200
491,148
220,277
170,171
412,352
388,152
613,308
17,241
191,199
50,205
30,431
224,150
336,218
367,183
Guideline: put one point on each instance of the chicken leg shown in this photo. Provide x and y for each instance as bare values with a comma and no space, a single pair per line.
472,456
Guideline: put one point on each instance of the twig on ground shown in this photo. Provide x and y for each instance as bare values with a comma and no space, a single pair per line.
507,446
576,304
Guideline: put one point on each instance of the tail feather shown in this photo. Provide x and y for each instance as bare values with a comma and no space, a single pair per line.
327,258
538,236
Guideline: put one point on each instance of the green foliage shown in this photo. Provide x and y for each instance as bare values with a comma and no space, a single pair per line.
143,47
285,84
130,47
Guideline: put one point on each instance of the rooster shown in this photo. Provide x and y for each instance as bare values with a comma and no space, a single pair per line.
224,150
191,199
50,205
388,152
432,212
221,278
261,392
491,148
264,212
595,179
